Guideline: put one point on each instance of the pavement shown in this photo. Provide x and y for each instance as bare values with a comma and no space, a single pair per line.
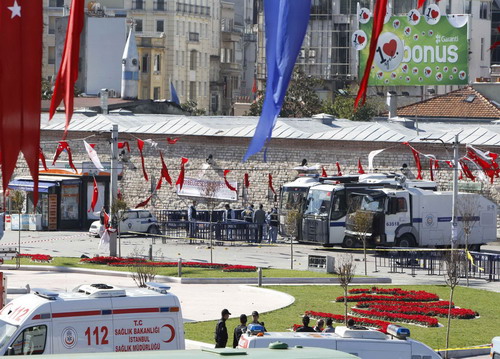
199,302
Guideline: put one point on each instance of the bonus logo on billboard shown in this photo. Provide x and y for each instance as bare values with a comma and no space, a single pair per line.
426,48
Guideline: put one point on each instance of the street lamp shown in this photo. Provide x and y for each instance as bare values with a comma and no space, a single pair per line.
454,227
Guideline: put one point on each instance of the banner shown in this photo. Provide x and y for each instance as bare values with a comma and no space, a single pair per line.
194,187
426,48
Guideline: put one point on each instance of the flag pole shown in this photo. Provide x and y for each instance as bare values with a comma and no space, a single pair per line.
113,188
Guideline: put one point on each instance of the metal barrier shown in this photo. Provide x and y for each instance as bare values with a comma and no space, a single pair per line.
412,261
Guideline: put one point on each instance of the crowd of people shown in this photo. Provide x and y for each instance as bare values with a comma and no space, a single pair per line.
268,222
222,336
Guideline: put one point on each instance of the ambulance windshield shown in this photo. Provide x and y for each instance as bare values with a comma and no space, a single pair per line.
6,332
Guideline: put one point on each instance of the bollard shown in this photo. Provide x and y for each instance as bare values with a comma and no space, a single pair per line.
259,281
150,252
179,268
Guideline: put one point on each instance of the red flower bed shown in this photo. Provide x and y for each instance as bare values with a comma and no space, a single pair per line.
438,304
420,296
37,257
341,319
128,262
399,317
457,313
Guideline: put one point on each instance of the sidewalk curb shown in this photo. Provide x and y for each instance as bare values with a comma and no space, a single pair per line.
465,353
358,280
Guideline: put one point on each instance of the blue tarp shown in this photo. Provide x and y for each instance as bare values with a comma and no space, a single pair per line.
27,185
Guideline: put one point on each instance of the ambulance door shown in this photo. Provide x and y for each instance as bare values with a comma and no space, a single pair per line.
337,217
373,349
83,327
32,340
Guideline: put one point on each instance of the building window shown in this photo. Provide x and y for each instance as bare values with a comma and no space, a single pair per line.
192,90
157,63
182,58
484,10
194,36
138,4
156,93
193,60
176,58
159,26
145,64
160,5
138,25
52,24
56,3
52,55
482,49
467,7
182,88
214,103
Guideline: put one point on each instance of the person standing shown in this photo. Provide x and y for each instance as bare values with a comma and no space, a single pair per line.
221,330
305,325
229,217
248,214
239,330
259,217
192,219
274,223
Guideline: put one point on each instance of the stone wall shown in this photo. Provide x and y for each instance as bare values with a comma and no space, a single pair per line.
282,156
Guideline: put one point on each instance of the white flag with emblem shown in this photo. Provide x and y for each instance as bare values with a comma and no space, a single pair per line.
93,156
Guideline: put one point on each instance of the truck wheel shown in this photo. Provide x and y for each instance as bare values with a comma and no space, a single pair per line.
153,230
349,242
406,240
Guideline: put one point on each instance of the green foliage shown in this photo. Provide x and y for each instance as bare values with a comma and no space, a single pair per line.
192,107
301,99
46,90
343,106
319,298
17,201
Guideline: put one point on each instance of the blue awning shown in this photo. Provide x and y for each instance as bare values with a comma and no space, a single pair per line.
27,185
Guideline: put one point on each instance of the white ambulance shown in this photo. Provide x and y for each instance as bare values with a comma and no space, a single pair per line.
92,318
364,343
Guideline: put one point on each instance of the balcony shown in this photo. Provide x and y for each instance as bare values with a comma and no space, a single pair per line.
191,9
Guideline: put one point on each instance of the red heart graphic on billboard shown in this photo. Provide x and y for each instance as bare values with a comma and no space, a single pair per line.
390,48
434,14
414,17
364,15
361,39
427,71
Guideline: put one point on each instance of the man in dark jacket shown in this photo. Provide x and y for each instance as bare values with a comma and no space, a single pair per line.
240,329
221,330
305,325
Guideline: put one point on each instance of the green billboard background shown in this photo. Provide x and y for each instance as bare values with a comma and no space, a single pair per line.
433,54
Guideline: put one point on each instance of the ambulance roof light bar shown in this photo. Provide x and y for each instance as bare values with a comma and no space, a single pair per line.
158,287
44,293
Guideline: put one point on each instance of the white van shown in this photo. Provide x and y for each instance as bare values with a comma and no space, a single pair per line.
495,348
92,318
365,343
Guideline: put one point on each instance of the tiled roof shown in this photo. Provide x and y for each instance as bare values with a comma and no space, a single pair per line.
465,103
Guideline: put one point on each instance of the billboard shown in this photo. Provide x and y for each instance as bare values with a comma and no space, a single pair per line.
417,49
217,190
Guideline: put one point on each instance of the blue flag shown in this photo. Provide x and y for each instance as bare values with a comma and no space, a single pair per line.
173,94
286,25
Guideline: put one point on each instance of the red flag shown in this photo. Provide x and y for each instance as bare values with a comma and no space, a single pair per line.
180,179
246,180
228,185
270,182
430,168
119,195
95,196
378,24
487,163
164,171
41,157
106,220
323,172
144,203
64,146
68,70
123,145
339,172
497,43
361,171
467,171
172,141
140,145
420,3
417,160
21,26
254,87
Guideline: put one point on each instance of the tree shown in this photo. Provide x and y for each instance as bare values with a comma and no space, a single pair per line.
292,219
192,107
300,100
17,204
46,89
468,206
343,106
345,272
118,214
360,222
453,262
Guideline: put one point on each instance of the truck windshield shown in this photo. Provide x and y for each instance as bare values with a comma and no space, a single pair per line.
6,332
372,204
318,202
293,197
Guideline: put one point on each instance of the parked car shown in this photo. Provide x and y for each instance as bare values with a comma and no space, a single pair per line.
134,220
